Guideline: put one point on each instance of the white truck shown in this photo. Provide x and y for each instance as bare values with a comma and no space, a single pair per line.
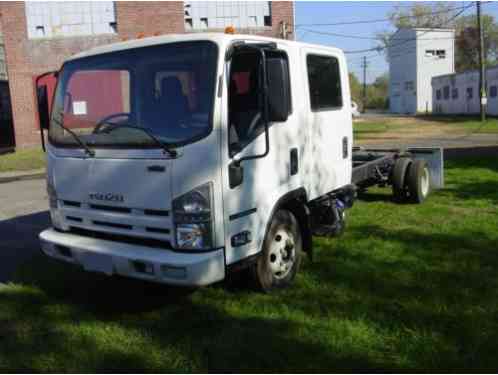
178,159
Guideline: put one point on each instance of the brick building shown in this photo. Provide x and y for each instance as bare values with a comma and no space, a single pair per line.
39,36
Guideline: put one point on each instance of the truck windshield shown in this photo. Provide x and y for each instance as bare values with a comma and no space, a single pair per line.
167,89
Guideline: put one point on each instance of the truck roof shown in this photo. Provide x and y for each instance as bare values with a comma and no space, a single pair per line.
219,38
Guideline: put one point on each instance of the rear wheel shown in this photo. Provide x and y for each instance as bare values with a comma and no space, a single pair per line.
400,169
281,256
418,181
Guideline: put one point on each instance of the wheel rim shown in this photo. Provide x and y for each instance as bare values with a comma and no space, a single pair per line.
282,254
424,182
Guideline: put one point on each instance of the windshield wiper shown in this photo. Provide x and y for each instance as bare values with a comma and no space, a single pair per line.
88,150
161,144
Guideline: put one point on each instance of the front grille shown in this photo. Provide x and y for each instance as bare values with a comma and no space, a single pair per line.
156,212
115,220
157,230
141,241
71,203
112,225
124,210
73,218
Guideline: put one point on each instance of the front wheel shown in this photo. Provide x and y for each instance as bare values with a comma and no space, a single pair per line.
282,252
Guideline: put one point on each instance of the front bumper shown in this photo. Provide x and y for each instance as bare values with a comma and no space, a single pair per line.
141,262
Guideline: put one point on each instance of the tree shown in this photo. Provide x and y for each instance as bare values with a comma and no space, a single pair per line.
467,42
418,15
355,87
377,93
422,15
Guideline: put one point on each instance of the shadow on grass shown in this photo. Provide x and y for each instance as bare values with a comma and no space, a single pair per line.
54,330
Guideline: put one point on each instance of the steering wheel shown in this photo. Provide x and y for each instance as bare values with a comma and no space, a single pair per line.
106,121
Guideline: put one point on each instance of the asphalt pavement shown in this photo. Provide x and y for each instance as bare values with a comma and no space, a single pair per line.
23,214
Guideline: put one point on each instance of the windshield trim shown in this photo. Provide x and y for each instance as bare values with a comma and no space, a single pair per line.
136,146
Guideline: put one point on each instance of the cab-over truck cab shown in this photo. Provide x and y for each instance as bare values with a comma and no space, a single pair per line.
180,158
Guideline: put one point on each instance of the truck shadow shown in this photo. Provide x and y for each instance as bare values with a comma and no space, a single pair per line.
19,241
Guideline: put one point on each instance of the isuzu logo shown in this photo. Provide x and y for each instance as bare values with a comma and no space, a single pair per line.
107,197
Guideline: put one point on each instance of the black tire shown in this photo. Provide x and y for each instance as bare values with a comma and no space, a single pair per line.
418,181
399,177
264,273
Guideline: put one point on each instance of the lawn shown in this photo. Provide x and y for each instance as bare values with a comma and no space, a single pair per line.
423,126
407,288
22,160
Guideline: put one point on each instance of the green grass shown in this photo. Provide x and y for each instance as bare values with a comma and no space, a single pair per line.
407,288
22,160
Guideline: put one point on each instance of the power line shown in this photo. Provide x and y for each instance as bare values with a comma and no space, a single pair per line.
381,19
356,36
381,48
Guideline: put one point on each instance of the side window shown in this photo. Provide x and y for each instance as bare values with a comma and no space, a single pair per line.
438,94
446,92
492,91
454,93
469,92
324,82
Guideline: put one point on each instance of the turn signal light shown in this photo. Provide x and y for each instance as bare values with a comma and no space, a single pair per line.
229,30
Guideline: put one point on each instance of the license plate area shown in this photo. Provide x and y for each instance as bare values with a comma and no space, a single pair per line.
94,262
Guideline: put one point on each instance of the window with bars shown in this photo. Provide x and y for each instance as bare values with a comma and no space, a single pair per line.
203,15
64,19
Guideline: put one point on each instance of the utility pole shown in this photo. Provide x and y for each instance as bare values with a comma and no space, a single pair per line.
482,68
364,82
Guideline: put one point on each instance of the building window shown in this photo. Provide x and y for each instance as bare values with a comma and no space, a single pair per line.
446,92
409,86
470,93
201,15
61,19
454,93
438,94
324,82
492,91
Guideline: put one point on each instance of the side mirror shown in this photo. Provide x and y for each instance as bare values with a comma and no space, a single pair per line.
235,174
277,71
43,111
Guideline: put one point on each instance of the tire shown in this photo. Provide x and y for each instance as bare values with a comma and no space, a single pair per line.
418,181
278,265
399,177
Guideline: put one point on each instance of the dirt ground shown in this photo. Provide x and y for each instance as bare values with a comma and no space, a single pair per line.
391,131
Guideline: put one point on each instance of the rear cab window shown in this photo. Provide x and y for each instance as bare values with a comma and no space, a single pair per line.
324,81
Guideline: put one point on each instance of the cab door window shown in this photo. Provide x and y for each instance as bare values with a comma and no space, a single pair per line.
245,100
246,97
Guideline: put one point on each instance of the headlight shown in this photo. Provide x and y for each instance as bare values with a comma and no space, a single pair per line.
192,215
55,215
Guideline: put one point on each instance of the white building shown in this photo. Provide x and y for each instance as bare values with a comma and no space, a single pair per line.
459,93
415,56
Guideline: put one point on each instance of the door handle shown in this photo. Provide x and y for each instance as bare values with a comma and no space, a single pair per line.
294,162
345,148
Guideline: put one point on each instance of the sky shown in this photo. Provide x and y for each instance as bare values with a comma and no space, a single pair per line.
316,12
